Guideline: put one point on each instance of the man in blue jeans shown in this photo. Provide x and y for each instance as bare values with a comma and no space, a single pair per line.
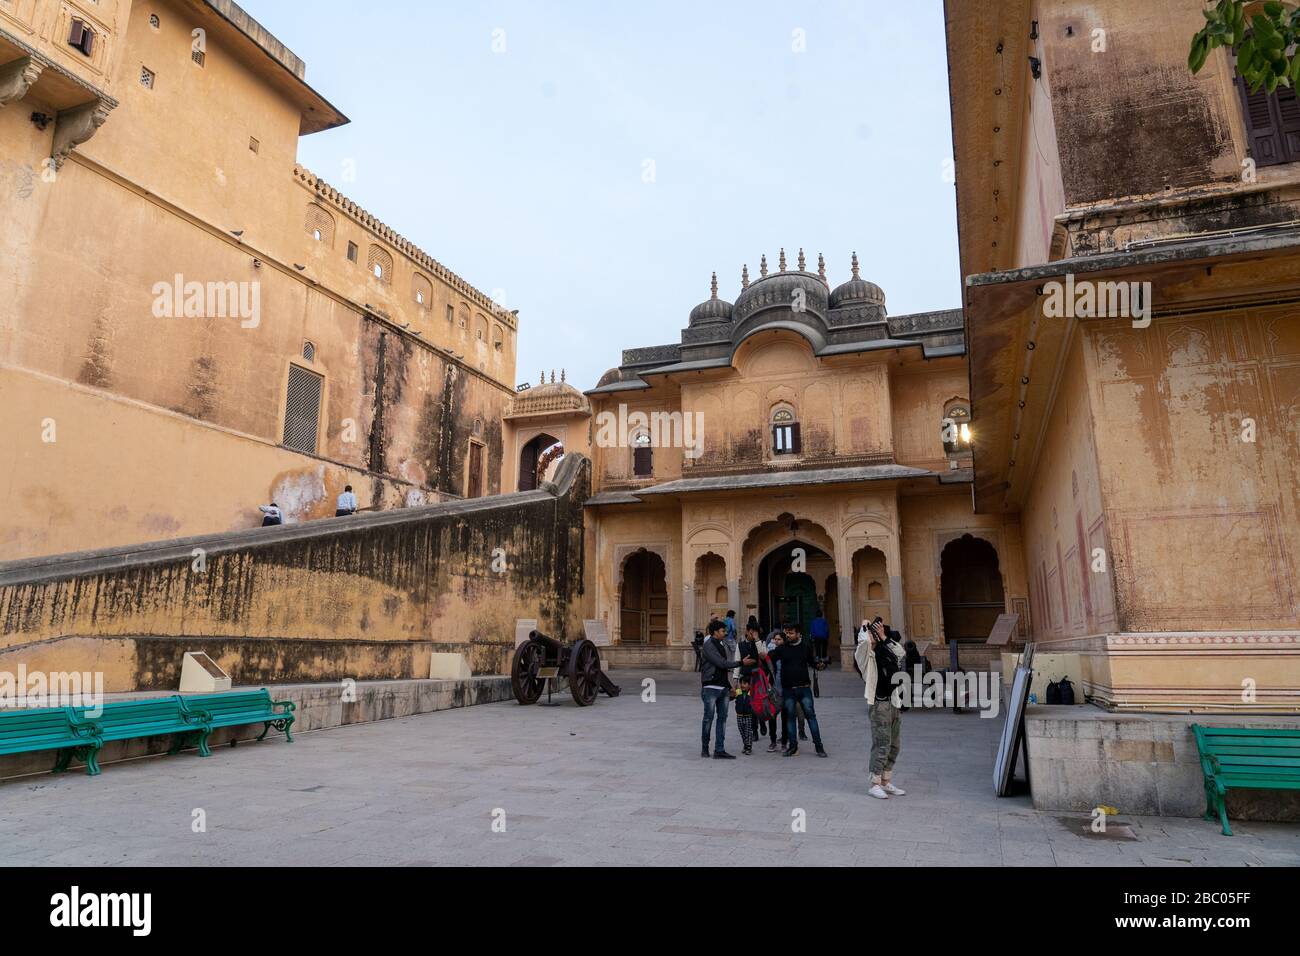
798,660
715,689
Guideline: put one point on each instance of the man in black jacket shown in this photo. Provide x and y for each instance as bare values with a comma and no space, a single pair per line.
715,688
798,660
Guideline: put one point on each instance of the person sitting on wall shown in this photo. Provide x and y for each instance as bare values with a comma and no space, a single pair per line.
270,514
347,503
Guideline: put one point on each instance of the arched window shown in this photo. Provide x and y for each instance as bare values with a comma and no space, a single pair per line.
955,427
320,224
642,456
498,338
309,351
380,264
422,290
785,431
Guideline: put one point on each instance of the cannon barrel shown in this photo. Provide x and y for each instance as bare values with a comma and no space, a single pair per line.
552,645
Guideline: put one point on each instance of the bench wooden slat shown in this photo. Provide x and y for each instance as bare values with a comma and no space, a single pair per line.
35,730
235,708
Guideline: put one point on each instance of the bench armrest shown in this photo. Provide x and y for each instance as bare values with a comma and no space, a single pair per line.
287,704
81,725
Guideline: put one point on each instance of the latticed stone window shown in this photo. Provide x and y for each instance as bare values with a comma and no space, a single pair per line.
422,290
380,264
302,409
320,225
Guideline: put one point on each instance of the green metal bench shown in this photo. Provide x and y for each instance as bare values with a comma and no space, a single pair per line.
131,719
236,708
1245,758
49,728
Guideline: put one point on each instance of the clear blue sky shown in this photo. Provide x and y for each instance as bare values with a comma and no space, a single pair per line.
524,170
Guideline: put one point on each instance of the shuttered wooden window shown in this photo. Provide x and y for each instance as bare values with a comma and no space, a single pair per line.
785,439
475,483
1272,124
642,457
82,37
302,409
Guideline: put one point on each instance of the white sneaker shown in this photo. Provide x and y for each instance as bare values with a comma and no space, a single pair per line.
894,791
878,792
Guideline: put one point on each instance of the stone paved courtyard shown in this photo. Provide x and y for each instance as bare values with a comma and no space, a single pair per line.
618,783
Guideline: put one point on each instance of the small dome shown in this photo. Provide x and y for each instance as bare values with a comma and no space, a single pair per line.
609,377
857,291
549,396
712,310
779,291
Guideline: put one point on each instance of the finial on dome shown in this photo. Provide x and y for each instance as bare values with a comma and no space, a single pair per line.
783,258
561,375
762,266
744,276
802,263
552,376
713,286
543,381
855,266
821,266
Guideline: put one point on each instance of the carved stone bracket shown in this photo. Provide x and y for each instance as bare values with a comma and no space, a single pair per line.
17,77
77,125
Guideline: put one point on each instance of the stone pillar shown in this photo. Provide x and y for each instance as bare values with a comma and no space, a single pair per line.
688,612
733,601
848,626
897,611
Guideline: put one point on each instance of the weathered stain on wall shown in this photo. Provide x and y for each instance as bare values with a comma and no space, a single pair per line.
1132,120
362,597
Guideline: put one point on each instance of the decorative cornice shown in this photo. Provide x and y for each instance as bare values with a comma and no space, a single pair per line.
413,252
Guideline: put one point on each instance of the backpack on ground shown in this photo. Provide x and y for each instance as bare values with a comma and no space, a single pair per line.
1067,691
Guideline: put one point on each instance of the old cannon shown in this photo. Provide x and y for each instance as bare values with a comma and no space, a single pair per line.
540,659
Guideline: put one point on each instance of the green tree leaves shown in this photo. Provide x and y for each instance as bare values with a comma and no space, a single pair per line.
1265,43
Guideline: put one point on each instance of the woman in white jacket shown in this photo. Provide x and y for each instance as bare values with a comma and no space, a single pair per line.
878,659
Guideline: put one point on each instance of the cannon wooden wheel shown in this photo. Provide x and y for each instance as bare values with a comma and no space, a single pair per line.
524,680
584,672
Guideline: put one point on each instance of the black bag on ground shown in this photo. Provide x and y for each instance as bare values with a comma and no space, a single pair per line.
1067,691
1053,692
